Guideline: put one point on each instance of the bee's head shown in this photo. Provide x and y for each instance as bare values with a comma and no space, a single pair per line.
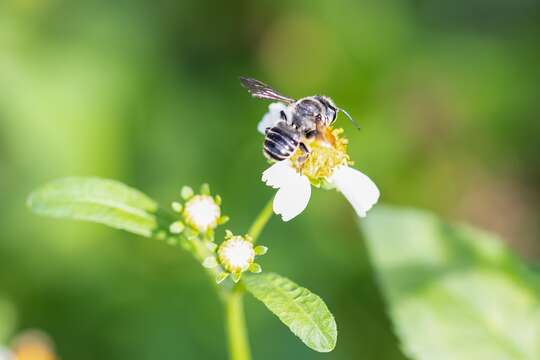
332,110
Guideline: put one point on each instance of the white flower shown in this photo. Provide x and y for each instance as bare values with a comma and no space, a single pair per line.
327,164
236,254
202,212
294,189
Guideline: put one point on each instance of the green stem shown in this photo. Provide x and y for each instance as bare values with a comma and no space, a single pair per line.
233,297
261,221
236,326
234,304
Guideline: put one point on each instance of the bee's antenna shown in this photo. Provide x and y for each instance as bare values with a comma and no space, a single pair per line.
350,119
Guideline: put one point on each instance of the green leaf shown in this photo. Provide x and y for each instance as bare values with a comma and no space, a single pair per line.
98,200
302,311
453,292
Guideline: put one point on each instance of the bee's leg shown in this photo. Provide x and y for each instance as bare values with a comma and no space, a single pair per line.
306,150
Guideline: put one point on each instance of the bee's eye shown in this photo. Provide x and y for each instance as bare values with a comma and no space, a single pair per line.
332,113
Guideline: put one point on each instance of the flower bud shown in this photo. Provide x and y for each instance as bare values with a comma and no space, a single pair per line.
237,255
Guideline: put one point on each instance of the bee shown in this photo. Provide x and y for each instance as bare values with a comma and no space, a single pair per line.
306,119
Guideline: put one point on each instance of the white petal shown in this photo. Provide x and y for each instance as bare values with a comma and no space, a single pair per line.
357,188
291,200
278,174
294,189
273,116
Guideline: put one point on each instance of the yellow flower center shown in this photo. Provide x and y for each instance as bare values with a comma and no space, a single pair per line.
202,212
328,151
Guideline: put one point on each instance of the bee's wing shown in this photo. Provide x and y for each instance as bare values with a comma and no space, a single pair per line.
260,90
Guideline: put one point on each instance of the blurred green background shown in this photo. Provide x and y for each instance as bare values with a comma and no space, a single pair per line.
148,94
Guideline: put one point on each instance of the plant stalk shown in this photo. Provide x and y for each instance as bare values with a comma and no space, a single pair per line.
234,302
261,221
236,326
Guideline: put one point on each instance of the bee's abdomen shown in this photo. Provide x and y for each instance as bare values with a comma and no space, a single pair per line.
280,143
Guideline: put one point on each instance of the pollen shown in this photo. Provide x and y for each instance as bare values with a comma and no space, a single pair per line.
202,213
236,254
328,151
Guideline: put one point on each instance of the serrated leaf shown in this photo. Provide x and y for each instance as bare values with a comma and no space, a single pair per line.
303,312
98,200
453,292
